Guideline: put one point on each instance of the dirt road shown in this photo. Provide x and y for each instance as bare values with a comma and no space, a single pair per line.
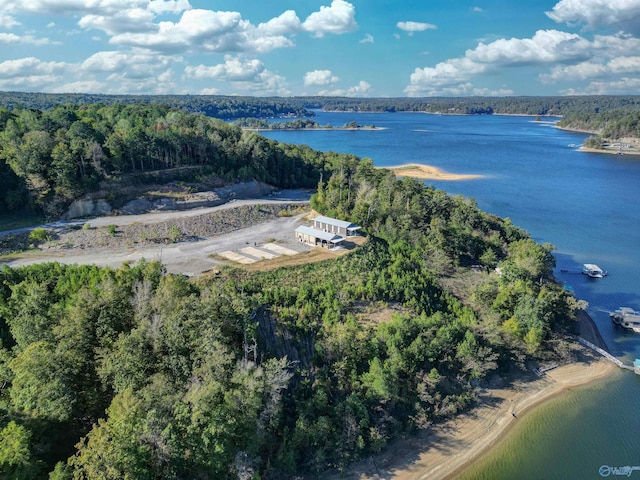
188,258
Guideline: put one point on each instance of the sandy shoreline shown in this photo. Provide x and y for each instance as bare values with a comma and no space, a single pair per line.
610,151
428,172
450,447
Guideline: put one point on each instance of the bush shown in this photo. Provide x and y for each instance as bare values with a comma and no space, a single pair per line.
39,235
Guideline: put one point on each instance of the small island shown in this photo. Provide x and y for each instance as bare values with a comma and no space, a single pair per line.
260,124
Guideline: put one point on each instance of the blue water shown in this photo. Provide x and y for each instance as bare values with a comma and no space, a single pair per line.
587,205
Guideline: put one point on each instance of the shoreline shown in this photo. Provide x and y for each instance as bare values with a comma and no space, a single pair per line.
453,446
316,129
428,172
613,151
610,151
449,448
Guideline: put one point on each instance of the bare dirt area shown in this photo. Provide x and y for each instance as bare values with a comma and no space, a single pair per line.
186,242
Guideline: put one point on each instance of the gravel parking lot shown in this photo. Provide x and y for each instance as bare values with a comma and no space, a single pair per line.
186,257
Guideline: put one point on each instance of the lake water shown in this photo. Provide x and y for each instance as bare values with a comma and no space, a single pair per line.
588,206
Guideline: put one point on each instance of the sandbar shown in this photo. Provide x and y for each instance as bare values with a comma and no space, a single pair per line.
428,172
447,448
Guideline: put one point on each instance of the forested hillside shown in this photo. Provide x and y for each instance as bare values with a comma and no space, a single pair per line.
133,373
608,125
227,107
49,158
217,106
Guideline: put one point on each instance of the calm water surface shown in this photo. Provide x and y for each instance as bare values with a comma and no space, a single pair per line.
588,206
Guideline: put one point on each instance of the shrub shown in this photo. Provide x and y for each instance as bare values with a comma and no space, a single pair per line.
39,235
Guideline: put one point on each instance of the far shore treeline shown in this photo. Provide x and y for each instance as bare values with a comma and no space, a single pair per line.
135,373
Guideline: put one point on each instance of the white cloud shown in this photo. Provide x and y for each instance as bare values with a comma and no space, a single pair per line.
320,77
338,18
587,70
545,46
30,73
412,27
359,90
619,14
232,69
209,91
7,21
213,31
616,45
619,86
130,64
478,9
368,38
223,32
168,6
453,71
266,83
132,20
286,23
12,39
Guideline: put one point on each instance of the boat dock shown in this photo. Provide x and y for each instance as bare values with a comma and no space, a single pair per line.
610,357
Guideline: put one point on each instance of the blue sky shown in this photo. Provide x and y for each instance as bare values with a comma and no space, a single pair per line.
360,48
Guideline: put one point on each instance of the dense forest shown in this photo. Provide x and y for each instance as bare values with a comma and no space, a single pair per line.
217,106
49,158
608,125
226,107
134,373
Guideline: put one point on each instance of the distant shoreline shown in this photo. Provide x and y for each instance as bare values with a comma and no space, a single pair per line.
313,129
610,151
428,172
635,150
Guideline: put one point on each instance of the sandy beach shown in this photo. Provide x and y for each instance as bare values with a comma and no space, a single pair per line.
448,448
428,172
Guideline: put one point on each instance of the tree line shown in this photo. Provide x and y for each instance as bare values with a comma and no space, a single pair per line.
235,107
217,106
607,125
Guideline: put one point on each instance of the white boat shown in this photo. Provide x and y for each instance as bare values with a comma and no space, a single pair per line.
626,317
593,271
